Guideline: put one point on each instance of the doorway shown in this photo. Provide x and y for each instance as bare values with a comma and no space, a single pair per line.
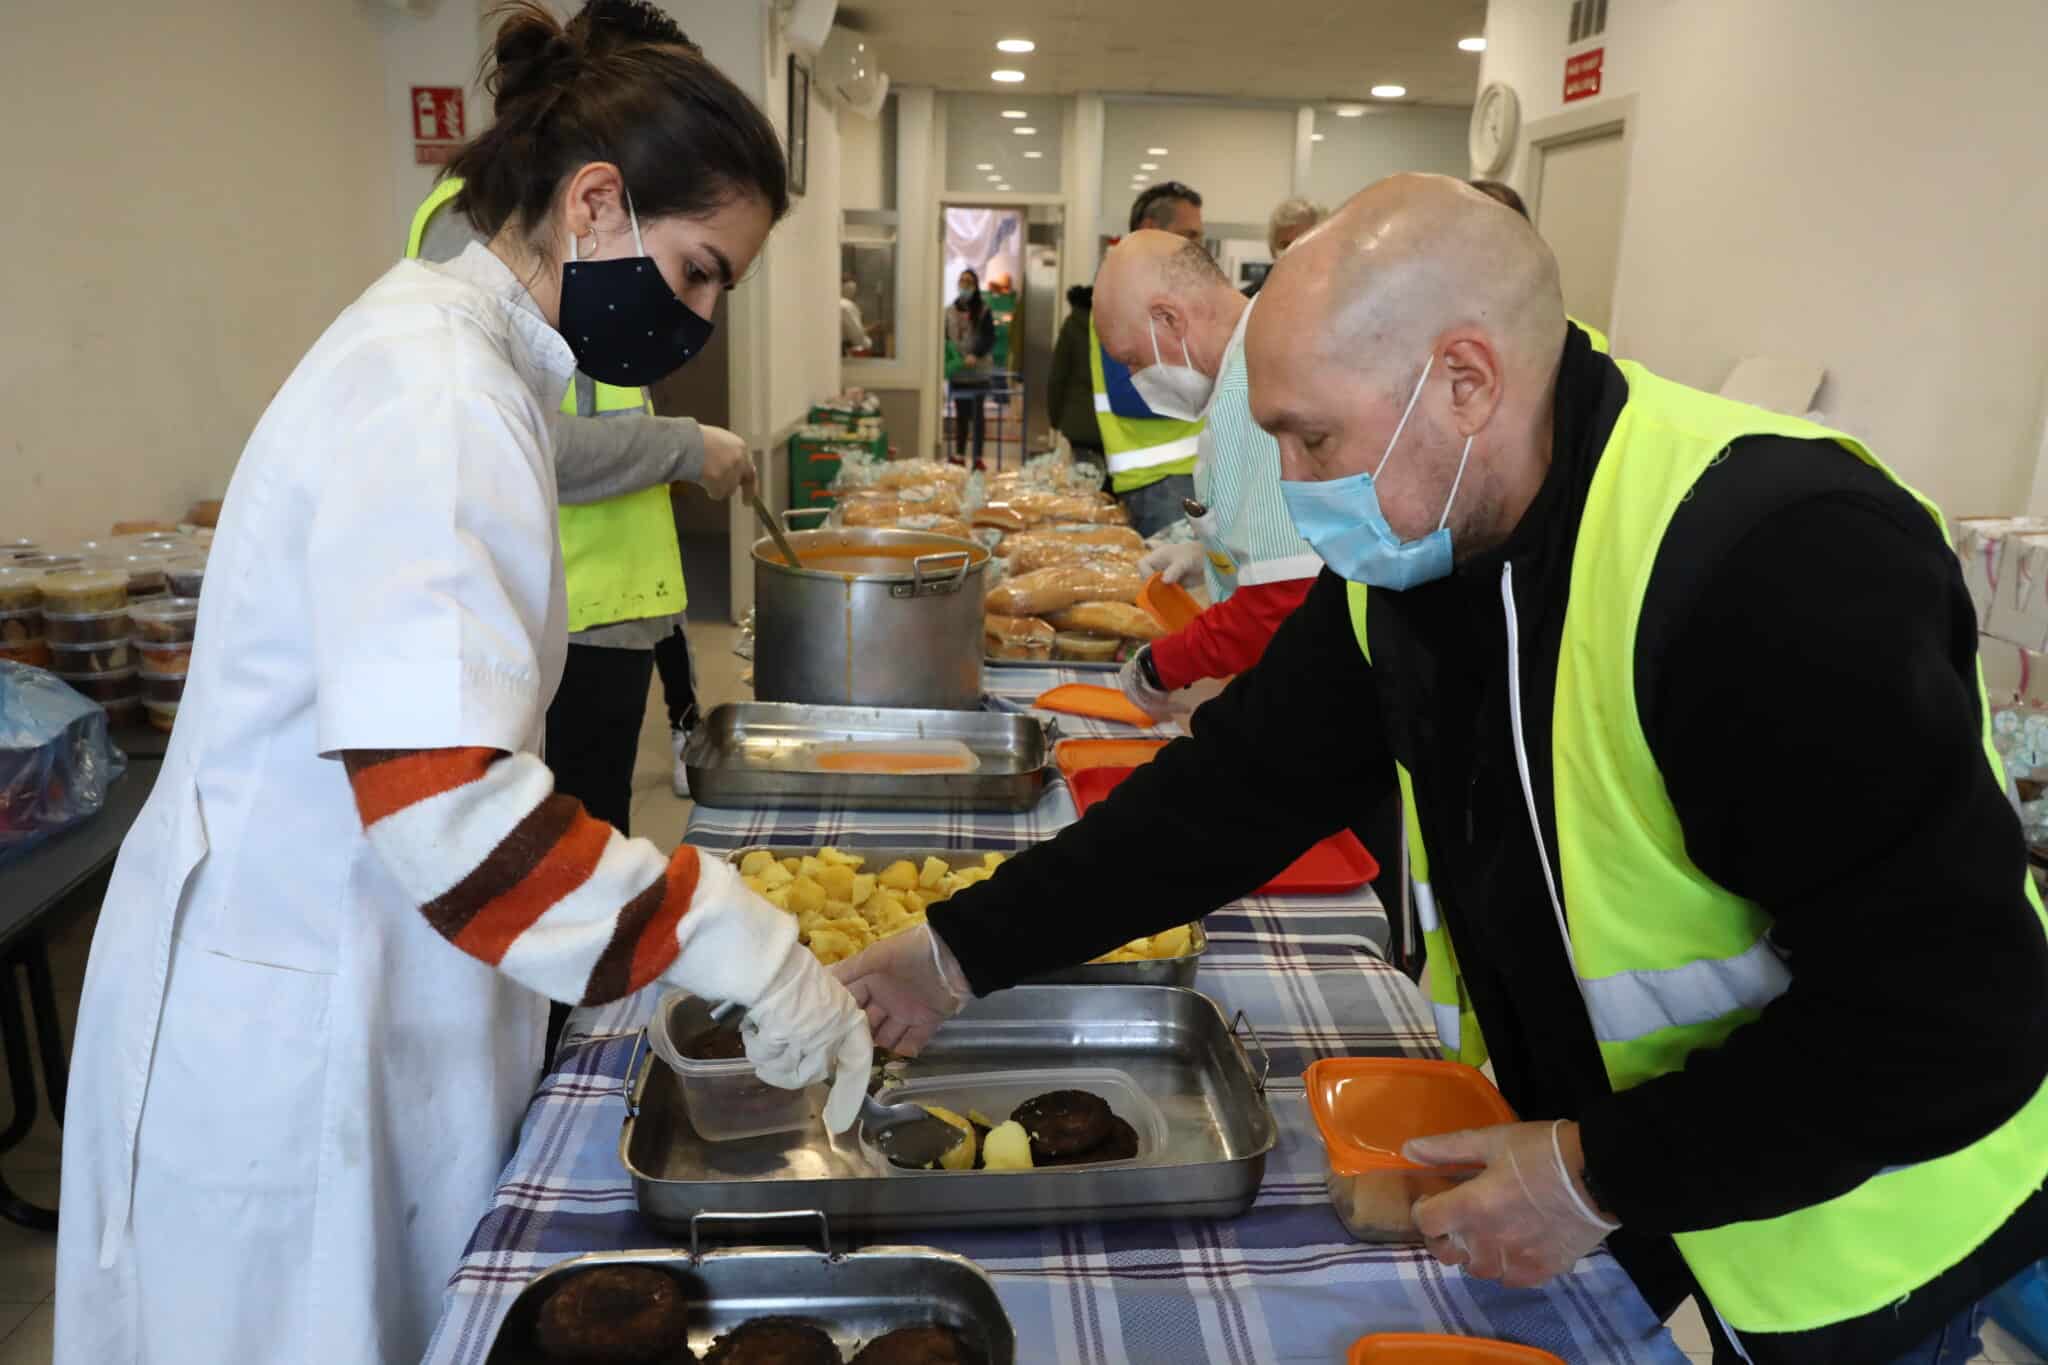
1579,189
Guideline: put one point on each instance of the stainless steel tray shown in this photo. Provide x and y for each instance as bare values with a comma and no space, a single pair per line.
1174,1043
855,1296
744,755
1165,971
1078,665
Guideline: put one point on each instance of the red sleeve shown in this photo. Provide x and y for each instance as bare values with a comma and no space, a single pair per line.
1229,637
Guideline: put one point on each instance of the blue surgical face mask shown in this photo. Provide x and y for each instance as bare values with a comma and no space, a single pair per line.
1342,522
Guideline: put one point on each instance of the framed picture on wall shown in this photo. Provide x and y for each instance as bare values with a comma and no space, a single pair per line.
799,125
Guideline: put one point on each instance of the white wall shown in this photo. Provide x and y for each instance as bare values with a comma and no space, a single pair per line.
1852,183
1380,142
861,179
194,191
1239,158
441,48
978,135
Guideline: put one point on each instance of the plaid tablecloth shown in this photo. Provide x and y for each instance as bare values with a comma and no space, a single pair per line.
1282,1283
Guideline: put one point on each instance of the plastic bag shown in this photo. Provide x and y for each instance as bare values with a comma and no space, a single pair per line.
56,760
1063,585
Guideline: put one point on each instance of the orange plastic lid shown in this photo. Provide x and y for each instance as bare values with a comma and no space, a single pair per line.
1171,605
1426,1348
1078,755
1366,1107
1103,703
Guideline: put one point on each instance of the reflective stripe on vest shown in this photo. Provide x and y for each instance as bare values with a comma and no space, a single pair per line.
621,560
1139,451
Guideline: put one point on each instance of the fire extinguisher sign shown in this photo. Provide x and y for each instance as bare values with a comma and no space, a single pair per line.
437,129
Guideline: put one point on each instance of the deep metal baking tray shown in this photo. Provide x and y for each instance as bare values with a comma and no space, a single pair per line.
855,1296
1164,971
1173,1042
749,755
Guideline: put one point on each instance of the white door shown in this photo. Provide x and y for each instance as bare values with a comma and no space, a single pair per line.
1578,211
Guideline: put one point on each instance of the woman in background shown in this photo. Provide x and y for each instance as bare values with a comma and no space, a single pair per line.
971,333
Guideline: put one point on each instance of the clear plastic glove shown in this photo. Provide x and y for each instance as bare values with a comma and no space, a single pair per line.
806,1026
1137,685
728,464
1525,1219
909,984
1179,563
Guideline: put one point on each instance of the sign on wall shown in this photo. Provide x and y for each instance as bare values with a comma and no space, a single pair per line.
437,129
1582,74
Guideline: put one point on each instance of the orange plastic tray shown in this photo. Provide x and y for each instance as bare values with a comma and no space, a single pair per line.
1093,768
1366,1107
1423,1348
1168,603
1102,703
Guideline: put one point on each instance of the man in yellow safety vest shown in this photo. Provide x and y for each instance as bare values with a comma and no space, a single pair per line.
1713,851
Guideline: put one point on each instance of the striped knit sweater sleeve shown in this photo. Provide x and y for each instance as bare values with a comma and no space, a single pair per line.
521,877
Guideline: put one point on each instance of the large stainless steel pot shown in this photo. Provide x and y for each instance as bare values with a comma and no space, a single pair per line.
878,636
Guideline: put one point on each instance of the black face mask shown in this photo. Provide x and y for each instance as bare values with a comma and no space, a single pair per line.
623,322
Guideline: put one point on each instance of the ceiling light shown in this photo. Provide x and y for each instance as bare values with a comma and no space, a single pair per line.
1155,151
1349,110
1004,188
1016,113
1148,165
1006,76
1387,92
1315,137
1016,45
1471,44
984,165
1033,156
1024,130
994,178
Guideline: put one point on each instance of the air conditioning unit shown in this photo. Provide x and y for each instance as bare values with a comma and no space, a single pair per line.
846,67
807,23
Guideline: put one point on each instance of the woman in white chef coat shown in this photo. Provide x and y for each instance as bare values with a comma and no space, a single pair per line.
314,1010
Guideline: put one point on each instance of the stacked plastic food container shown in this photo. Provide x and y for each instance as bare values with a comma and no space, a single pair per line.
114,618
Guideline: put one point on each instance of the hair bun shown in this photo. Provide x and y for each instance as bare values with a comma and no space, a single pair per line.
529,54
633,21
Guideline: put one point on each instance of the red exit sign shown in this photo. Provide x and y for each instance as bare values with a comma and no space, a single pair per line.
1582,74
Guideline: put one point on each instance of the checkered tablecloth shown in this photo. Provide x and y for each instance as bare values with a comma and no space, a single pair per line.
1282,1283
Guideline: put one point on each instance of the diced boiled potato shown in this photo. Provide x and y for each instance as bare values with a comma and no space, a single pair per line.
811,867
983,1119
896,917
1174,942
1121,955
960,1156
900,875
755,885
1006,1148
970,876
792,865
778,896
992,861
932,873
837,857
755,863
863,888
918,900
837,881
774,875
806,894
839,909
831,947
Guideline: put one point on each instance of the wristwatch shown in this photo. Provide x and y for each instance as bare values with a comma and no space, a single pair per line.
1148,671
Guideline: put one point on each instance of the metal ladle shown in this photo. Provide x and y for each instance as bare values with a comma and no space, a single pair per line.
774,529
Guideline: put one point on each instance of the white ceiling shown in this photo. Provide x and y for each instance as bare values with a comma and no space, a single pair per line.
1296,50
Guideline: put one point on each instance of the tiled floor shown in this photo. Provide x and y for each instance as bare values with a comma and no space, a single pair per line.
27,1259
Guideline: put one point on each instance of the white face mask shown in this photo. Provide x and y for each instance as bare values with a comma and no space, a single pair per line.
1178,391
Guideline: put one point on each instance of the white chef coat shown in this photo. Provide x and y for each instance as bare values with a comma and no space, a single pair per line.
290,1097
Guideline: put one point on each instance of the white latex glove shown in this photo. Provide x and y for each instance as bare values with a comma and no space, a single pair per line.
801,1024
909,984
728,464
1153,701
1179,563
1525,1219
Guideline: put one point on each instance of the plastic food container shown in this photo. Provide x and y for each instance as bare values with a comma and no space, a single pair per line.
123,712
165,620
726,1100
162,714
1092,649
162,687
85,628
1425,1348
75,592
185,575
997,1093
34,653
104,656
20,626
145,571
20,590
169,658
119,685
18,547
1366,1108
46,563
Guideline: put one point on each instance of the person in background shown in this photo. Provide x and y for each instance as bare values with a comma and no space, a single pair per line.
313,1015
1628,643
1501,193
1291,218
1150,453
853,331
1154,286
1069,392
1002,307
970,335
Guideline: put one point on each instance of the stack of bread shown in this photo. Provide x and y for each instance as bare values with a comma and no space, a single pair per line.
909,495
1068,592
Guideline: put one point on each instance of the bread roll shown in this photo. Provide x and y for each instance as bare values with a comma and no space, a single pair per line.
1107,537
1046,551
1064,585
1016,637
1106,618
